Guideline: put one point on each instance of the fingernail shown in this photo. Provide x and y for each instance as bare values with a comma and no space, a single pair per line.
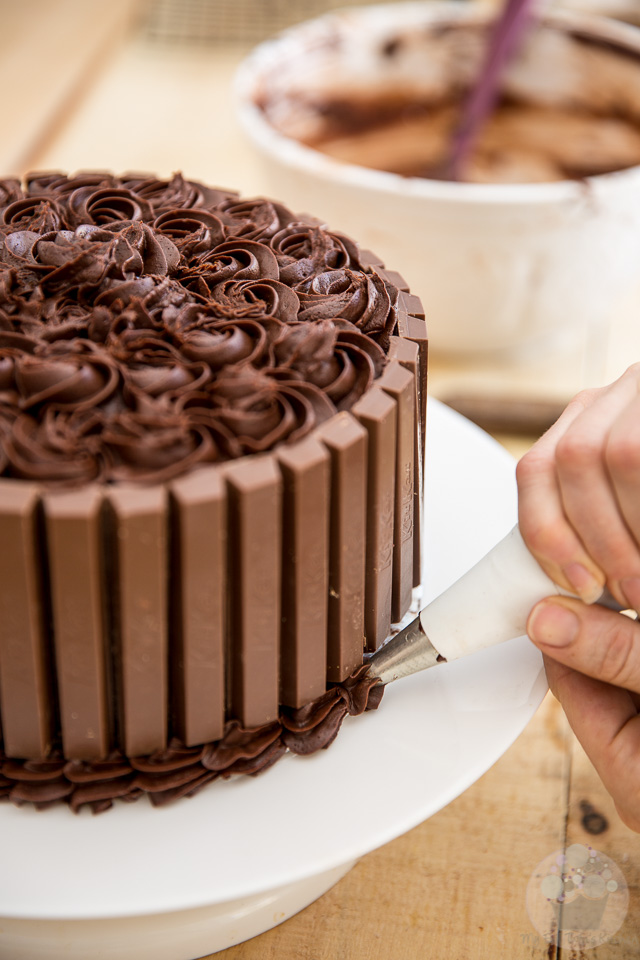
553,624
583,582
630,587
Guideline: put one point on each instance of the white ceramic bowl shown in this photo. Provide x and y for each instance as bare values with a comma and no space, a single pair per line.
501,268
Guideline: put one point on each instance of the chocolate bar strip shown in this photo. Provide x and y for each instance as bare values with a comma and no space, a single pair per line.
74,526
370,259
412,327
399,384
393,277
25,696
376,411
198,593
409,303
139,517
305,524
406,352
255,508
346,441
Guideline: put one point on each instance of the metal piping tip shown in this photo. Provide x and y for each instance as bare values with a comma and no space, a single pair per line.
410,651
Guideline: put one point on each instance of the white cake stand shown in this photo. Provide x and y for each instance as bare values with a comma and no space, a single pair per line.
240,857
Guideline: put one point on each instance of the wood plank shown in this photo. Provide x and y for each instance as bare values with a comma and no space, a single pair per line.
594,822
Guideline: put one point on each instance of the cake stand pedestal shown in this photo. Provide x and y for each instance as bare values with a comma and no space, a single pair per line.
178,935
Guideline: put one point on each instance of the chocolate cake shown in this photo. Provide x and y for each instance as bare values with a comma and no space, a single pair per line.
211,435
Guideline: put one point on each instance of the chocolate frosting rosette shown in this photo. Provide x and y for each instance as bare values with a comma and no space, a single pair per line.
366,299
257,219
194,232
334,356
305,250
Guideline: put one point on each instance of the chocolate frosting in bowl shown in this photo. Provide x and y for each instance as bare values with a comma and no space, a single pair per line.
386,92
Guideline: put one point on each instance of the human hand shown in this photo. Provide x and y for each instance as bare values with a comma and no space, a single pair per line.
579,514
592,659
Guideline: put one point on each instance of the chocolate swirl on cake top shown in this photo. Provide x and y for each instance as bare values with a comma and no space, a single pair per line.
147,326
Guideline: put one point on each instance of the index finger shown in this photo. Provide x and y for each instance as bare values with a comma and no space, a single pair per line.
544,525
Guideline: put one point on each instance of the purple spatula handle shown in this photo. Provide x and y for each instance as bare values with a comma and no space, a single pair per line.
503,41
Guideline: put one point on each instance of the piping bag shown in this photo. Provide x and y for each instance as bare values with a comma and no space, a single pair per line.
486,606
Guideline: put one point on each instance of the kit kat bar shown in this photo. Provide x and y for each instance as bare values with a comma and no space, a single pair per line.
140,540
413,327
255,553
305,551
376,411
25,695
198,595
370,259
399,384
346,441
411,304
406,352
392,276
75,544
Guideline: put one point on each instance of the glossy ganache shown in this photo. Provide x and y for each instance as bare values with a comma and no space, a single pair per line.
148,326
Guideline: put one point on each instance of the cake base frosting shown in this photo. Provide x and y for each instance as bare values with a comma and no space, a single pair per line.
180,771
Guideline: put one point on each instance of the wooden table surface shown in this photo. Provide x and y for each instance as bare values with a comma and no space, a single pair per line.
453,888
